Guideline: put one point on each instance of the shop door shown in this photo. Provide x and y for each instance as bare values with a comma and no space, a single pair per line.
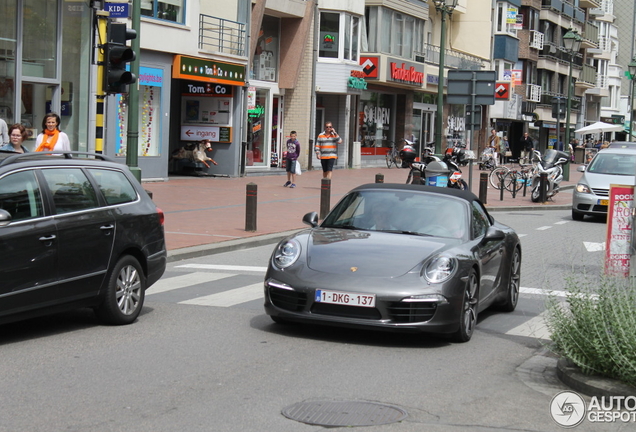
258,137
37,101
277,132
423,127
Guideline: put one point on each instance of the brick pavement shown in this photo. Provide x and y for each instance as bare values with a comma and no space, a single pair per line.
207,210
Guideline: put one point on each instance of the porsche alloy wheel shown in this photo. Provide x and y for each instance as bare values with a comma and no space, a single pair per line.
468,316
512,293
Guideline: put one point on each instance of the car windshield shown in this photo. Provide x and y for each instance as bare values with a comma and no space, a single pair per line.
401,212
612,163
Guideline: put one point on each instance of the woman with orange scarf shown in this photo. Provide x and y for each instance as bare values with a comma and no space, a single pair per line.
51,137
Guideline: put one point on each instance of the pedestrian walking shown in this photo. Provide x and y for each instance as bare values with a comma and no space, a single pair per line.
327,149
291,159
527,147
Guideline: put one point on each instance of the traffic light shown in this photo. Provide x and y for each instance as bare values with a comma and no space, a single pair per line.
116,55
558,108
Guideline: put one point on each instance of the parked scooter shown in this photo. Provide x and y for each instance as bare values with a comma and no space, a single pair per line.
454,157
408,155
552,164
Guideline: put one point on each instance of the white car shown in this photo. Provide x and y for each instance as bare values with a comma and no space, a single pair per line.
609,166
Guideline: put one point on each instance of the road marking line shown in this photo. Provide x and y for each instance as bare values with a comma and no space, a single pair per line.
543,228
540,291
224,267
186,280
594,247
534,327
562,222
230,297
521,235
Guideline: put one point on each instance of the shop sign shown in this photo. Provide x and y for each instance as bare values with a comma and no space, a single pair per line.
116,10
75,8
205,89
213,133
619,230
356,80
150,76
199,69
370,66
406,72
432,79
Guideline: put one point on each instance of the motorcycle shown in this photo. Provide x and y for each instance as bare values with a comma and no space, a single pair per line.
453,158
552,164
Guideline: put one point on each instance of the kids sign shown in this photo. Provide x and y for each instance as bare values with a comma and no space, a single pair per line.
619,230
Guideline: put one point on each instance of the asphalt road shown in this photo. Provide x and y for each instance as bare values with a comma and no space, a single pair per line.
204,357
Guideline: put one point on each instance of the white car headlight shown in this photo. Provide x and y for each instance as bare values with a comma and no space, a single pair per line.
582,188
440,269
286,254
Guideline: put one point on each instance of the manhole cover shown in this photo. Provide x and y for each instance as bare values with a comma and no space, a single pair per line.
344,413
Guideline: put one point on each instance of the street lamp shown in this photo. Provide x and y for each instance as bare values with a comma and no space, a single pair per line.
632,74
445,7
572,43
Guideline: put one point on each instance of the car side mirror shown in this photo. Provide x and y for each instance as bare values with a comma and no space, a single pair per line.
5,218
311,219
580,168
493,234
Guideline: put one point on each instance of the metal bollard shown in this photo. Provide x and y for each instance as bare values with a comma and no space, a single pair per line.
543,187
251,193
514,186
501,188
417,177
525,185
483,187
379,178
325,196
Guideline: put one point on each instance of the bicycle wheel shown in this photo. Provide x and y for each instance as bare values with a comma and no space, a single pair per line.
496,176
397,160
513,180
389,159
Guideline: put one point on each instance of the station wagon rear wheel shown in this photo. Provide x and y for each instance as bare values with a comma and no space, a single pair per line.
125,293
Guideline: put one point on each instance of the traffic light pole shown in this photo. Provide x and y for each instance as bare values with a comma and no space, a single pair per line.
132,141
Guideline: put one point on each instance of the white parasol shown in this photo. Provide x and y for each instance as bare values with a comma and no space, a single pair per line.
600,127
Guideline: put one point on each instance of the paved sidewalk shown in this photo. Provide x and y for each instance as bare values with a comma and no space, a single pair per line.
203,211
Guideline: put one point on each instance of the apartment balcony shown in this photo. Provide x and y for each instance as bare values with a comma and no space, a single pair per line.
587,77
590,3
590,36
533,93
452,59
536,39
556,53
222,36
546,100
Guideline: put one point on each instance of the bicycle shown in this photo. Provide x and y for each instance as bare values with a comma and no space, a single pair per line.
514,180
497,175
393,156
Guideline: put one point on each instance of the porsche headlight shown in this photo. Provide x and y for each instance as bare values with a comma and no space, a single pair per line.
286,254
582,188
440,269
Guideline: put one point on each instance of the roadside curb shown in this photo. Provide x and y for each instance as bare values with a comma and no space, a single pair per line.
591,385
227,246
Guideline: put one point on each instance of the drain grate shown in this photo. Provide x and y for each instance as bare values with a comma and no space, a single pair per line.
344,413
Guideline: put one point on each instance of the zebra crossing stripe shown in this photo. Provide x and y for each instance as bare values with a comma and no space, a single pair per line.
184,281
534,327
224,267
230,297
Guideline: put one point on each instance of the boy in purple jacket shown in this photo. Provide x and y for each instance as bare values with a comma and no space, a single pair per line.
291,158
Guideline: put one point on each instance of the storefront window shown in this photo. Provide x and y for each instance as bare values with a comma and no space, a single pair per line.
257,136
39,47
169,10
265,61
149,141
376,119
8,40
391,32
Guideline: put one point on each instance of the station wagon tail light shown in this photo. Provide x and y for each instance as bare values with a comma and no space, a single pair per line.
439,269
286,254
161,216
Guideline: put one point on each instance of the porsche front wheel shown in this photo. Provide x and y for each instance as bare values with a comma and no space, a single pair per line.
468,315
